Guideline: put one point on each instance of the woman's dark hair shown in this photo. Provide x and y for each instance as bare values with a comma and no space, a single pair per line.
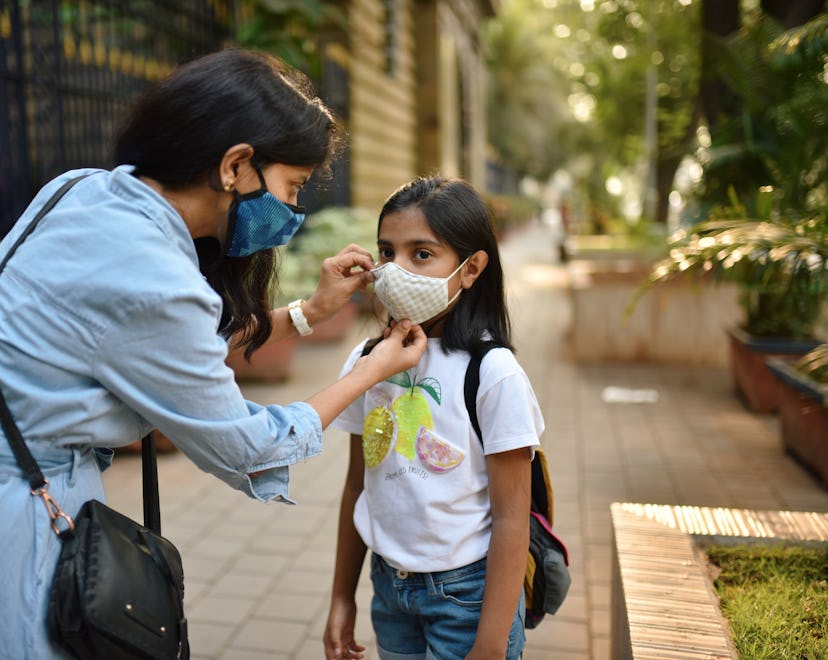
457,215
180,128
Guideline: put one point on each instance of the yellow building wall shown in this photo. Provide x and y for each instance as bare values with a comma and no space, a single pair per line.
383,120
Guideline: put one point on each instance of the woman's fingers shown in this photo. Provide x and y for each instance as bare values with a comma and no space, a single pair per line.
342,275
412,339
353,256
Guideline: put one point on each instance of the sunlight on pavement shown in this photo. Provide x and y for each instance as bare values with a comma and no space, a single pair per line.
626,395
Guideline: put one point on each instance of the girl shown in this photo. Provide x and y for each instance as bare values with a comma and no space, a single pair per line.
446,518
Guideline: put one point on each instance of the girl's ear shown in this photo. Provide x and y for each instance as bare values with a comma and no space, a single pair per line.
473,268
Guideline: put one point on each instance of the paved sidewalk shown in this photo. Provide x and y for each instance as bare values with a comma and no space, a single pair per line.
258,576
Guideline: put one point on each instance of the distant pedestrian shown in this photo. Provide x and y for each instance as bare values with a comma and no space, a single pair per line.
108,327
445,518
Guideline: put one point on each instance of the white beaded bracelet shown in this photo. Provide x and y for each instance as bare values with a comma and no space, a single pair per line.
297,317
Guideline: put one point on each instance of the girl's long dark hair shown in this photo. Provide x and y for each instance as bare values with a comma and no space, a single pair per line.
179,129
457,215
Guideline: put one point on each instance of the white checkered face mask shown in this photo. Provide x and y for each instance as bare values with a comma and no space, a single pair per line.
409,296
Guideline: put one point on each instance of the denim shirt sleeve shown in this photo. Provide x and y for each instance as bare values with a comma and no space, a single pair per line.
162,359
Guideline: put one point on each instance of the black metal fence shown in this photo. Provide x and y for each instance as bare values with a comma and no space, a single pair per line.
68,69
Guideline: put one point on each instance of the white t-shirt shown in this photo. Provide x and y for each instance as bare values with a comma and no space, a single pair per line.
425,506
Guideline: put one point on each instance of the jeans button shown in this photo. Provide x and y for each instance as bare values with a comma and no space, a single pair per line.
402,574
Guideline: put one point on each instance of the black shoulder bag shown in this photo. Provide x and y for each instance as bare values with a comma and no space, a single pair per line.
118,590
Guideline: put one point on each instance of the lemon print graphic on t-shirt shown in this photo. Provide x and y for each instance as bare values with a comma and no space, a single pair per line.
411,410
378,429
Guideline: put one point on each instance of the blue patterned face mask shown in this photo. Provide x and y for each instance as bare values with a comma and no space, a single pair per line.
258,221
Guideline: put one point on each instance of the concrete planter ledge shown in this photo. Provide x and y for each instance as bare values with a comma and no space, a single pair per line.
663,605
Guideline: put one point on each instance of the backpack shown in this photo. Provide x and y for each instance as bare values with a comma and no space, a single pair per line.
546,582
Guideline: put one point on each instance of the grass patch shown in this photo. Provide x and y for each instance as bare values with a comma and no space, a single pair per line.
775,599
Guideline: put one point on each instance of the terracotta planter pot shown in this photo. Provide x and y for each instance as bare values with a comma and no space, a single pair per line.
752,380
272,363
803,417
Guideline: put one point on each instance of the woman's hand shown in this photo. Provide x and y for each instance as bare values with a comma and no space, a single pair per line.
338,282
401,349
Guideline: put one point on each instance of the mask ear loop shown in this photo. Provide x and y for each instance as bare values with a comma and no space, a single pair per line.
231,221
442,319
260,174
460,290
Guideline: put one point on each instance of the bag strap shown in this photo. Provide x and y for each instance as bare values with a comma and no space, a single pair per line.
542,494
24,457
472,383
38,483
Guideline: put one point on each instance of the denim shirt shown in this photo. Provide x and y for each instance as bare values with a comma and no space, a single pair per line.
108,329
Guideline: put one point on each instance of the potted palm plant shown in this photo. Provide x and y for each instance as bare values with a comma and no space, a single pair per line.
803,407
779,266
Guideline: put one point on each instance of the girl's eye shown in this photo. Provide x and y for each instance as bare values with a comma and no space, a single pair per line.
385,253
422,254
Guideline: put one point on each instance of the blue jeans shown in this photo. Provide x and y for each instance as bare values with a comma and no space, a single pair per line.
425,616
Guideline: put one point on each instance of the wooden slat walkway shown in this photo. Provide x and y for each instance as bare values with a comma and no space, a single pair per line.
663,603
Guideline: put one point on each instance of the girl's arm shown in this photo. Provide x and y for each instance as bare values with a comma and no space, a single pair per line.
510,494
350,555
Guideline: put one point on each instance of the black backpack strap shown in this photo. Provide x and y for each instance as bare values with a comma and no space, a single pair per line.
472,382
369,345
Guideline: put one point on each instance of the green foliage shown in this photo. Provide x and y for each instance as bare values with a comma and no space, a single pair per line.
780,264
569,87
527,109
780,137
291,29
775,599
808,42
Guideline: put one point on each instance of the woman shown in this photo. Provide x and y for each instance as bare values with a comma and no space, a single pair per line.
109,327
